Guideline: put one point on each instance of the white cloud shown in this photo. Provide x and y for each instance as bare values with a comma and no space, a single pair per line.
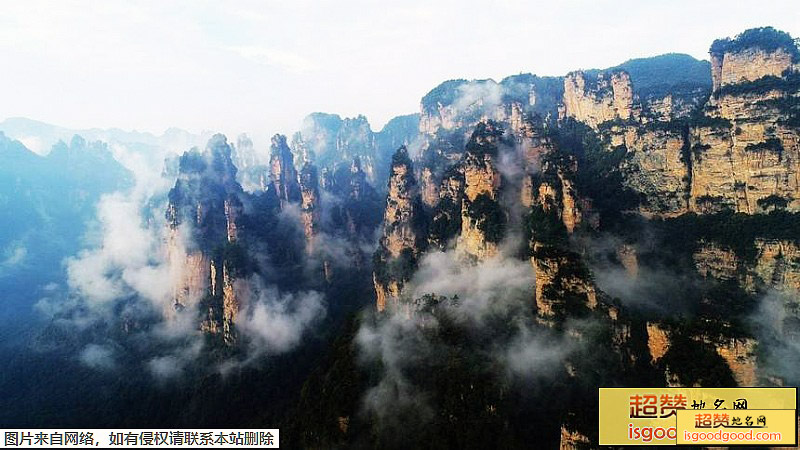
533,355
489,286
282,59
275,322
98,357
125,262
165,367
480,96
278,323
14,256
129,258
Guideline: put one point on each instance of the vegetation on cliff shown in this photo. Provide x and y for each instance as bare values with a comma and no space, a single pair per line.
599,176
444,94
672,73
490,217
737,231
766,38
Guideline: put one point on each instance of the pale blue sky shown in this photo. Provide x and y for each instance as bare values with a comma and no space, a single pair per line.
261,66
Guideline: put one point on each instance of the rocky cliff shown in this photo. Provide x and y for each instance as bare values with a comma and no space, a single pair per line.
752,55
456,106
253,171
204,207
482,218
223,241
573,440
738,151
738,354
309,204
332,142
748,159
402,238
401,207
596,100
283,174
776,265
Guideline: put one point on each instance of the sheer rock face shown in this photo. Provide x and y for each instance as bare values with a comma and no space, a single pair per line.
570,212
387,294
244,154
452,187
534,148
472,240
456,104
429,187
561,283
573,440
748,157
309,204
401,241
401,208
191,270
593,102
560,196
328,140
443,117
480,176
481,179
234,295
358,180
742,166
545,271
557,284
713,178
562,288
232,212
220,317
776,265
446,217
656,169
252,166
747,65
739,354
664,109
555,191
712,261
454,108
629,259
658,341
203,211
283,174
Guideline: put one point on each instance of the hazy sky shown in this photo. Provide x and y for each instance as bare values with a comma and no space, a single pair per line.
261,66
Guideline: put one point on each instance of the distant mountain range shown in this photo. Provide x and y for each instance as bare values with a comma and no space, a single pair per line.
40,136
48,204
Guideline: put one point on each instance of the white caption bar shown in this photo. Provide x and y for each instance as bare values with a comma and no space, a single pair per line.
138,438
